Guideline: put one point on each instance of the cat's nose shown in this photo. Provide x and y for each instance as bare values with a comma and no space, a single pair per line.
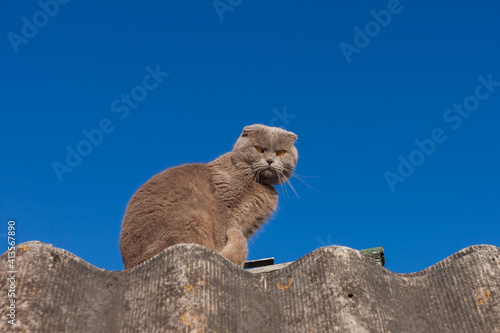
270,161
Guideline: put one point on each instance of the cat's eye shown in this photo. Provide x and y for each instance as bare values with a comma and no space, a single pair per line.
280,153
259,149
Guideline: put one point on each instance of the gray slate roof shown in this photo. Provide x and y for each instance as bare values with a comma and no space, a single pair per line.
188,288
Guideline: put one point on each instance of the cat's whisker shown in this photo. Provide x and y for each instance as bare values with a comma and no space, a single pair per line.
248,180
252,177
299,177
283,187
303,176
245,181
284,180
303,182
293,189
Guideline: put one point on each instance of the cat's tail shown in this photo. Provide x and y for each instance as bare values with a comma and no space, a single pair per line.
236,249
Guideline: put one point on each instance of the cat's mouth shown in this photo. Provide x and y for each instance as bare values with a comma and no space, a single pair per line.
268,172
269,176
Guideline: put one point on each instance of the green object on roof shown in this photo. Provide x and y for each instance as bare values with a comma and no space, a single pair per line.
375,253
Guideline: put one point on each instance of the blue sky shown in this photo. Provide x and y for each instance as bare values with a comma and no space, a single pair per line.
396,105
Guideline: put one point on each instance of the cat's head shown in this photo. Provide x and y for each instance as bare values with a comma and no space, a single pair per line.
267,154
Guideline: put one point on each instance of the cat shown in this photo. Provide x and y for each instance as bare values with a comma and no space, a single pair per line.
219,204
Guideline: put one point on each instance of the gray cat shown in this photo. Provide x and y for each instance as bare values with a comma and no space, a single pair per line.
218,205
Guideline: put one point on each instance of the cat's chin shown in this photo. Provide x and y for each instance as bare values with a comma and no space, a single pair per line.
269,177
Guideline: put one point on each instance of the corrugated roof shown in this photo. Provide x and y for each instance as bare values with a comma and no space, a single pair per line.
188,288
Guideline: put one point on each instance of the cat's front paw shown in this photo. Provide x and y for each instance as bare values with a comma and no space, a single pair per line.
236,249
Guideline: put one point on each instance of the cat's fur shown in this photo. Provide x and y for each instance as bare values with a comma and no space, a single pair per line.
219,204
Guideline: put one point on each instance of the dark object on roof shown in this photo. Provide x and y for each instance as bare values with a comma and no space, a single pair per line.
258,263
189,288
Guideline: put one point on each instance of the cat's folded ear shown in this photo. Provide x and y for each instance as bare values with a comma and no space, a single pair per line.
248,129
292,135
